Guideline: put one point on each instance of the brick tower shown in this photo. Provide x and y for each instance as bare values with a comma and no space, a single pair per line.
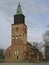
16,52
19,29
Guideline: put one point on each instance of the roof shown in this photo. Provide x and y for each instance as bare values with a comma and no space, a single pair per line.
19,10
29,43
33,47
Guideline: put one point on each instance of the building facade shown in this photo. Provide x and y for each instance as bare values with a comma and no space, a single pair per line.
20,49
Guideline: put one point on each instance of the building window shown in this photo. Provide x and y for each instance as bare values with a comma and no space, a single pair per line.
16,37
17,57
15,52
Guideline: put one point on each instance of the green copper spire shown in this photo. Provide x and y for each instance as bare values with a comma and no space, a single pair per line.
19,10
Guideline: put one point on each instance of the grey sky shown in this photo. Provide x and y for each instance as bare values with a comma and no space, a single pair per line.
36,18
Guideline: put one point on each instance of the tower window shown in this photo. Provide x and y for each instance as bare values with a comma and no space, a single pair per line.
16,37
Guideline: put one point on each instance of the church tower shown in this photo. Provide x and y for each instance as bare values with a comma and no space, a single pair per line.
17,50
19,29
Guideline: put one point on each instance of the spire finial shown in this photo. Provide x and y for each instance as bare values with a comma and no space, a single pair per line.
19,10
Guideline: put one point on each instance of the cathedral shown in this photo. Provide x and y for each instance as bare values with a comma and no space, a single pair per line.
20,50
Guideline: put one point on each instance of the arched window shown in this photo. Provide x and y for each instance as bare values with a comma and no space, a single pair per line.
17,57
16,37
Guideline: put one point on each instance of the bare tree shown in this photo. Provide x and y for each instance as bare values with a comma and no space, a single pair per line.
46,36
46,41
